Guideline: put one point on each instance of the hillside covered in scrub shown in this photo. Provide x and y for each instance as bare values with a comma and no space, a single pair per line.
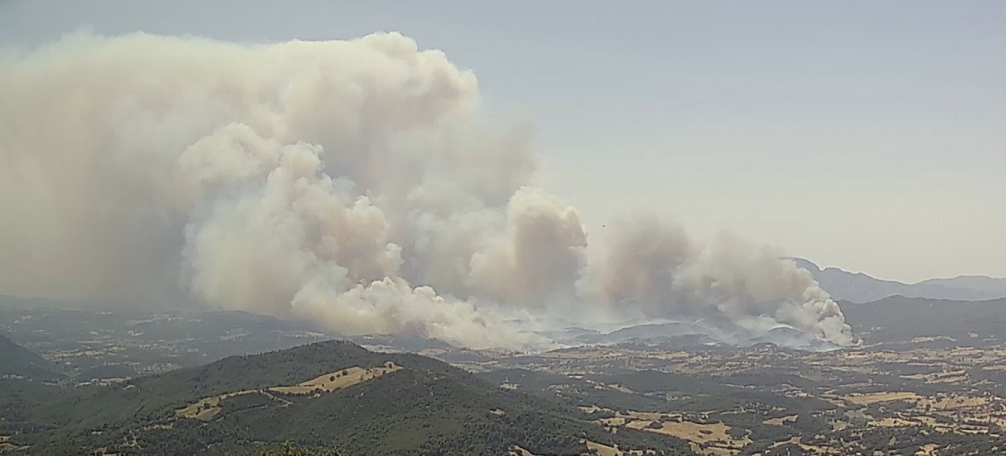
329,395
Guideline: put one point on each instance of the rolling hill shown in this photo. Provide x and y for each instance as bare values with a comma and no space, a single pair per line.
324,395
901,318
17,361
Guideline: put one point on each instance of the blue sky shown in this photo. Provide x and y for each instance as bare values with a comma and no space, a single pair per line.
861,134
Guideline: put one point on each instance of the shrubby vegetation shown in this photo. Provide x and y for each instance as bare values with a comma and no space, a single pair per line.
427,408
289,449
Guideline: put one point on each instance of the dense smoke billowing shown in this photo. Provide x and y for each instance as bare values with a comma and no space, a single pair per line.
351,183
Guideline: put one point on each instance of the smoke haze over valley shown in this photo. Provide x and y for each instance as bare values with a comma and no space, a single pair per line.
357,184
502,228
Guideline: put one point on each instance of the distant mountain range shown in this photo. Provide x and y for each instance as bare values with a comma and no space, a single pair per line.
858,287
693,334
940,321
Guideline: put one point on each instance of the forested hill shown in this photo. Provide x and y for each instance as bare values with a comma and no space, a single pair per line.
333,395
17,361
981,323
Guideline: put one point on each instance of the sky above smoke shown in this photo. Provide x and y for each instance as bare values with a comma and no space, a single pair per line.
357,184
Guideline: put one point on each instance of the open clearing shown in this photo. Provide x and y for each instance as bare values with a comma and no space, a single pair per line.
781,421
956,376
337,380
812,449
892,423
4,447
954,402
604,450
870,398
518,451
207,408
713,437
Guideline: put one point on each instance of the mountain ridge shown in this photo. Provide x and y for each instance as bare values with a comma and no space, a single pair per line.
17,361
977,282
860,287
427,407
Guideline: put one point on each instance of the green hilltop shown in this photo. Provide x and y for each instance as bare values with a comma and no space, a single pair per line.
361,403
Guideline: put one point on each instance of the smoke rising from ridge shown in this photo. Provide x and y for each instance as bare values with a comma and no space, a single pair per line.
352,183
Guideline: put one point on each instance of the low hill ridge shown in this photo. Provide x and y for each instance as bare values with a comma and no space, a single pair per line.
19,362
420,407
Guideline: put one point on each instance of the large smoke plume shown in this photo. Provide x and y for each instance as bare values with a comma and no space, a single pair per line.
352,183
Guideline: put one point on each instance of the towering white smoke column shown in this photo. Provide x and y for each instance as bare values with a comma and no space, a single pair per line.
347,182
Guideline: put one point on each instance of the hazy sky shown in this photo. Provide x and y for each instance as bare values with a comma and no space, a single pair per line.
860,134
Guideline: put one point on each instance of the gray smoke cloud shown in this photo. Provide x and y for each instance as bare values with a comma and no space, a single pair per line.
351,183
652,266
